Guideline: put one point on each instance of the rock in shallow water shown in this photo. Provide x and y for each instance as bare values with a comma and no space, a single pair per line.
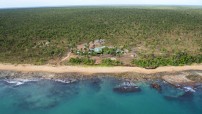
127,87
94,84
185,93
155,86
187,96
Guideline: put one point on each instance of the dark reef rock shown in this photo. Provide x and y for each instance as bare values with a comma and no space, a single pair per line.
95,84
35,105
96,81
156,86
127,87
187,96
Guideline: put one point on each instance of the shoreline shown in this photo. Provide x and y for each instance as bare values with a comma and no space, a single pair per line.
174,75
95,69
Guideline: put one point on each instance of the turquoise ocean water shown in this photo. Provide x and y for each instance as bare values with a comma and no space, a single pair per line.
95,96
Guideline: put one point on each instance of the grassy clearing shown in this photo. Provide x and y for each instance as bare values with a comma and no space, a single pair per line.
38,36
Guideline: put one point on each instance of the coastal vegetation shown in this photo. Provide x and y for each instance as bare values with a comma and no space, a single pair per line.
88,61
109,62
178,59
45,35
81,61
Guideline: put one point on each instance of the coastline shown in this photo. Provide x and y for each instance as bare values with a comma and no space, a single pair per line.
174,75
95,70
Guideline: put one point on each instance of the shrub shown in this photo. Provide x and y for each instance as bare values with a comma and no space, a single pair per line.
112,51
83,60
109,62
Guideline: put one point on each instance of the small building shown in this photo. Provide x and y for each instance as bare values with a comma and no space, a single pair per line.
98,50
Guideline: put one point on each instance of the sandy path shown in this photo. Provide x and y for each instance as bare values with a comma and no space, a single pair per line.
66,58
92,70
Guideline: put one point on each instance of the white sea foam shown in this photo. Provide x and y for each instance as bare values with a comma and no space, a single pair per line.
18,82
189,89
127,84
62,81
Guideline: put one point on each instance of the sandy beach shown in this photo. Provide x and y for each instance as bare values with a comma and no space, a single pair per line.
94,69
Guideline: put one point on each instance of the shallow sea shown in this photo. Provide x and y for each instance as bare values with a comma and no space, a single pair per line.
95,96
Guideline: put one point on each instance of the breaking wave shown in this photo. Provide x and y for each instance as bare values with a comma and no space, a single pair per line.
18,82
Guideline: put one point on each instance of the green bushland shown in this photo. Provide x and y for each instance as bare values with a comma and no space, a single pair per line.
81,61
178,59
109,62
39,35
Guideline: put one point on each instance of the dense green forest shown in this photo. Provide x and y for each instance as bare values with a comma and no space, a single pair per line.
39,35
